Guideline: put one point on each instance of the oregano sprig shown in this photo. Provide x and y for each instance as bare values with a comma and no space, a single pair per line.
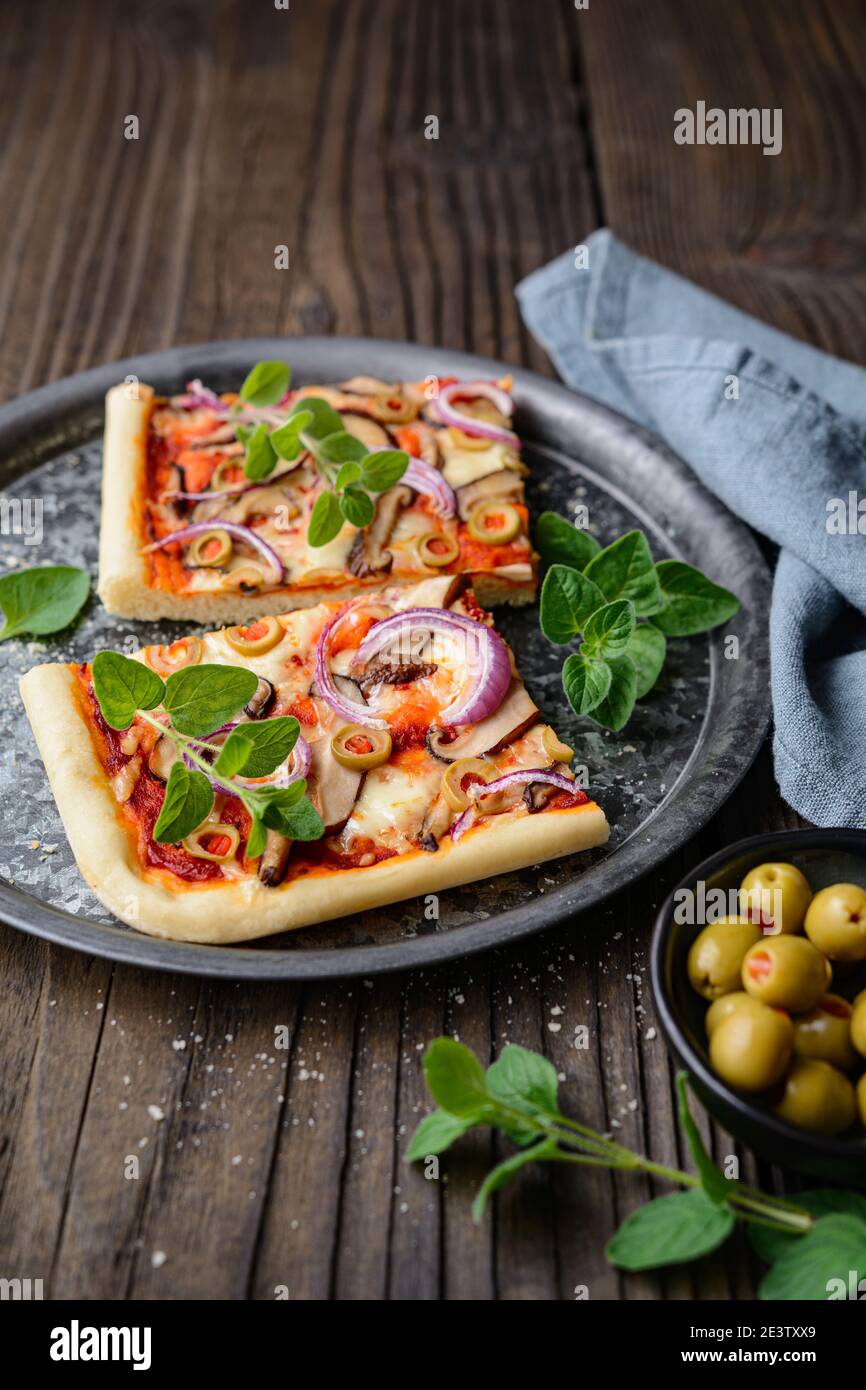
805,1242
195,701
622,606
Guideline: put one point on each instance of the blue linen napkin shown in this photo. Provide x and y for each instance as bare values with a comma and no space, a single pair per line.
776,446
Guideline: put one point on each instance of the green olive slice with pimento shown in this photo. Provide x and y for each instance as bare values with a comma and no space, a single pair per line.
361,749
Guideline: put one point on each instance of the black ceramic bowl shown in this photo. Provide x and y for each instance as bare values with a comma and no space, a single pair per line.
825,857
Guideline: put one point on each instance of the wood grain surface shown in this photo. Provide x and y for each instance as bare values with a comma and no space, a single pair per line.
263,1167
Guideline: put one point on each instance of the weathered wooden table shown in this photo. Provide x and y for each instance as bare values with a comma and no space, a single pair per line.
305,127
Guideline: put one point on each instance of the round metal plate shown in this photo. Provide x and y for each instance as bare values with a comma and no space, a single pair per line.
682,754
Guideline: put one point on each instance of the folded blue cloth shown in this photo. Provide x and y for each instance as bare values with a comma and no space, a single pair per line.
777,430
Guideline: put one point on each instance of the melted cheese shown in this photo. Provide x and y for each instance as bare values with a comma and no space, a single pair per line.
464,466
392,807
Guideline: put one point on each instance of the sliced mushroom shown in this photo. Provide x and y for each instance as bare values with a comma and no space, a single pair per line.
370,554
275,859
502,484
366,386
261,699
435,824
163,756
382,672
368,431
429,443
333,788
258,501
516,713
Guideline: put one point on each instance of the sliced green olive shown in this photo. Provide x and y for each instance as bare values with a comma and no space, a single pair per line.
453,788
436,549
554,747
211,548
246,578
394,408
228,473
186,651
361,749
214,841
256,638
494,522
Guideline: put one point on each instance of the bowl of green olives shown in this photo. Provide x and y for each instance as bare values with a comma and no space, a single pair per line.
758,965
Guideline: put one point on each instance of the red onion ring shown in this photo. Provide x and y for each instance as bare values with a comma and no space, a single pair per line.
232,528
468,389
349,710
422,477
462,823
487,653
520,778
197,394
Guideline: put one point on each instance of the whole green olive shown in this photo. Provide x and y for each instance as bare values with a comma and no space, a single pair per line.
777,895
716,955
858,1023
836,921
728,1004
786,971
817,1097
825,1033
751,1048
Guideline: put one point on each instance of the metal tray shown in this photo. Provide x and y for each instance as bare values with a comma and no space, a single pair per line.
682,754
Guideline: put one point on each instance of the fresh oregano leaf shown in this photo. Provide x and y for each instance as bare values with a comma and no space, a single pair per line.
41,600
607,631
286,439
455,1078
615,709
341,447
568,599
508,1168
324,419
257,839
258,748
692,602
625,569
523,1080
357,506
670,1231
260,458
821,1265
769,1245
349,473
202,698
586,682
561,543
646,649
435,1134
384,468
188,801
326,520
298,821
714,1183
266,384
122,686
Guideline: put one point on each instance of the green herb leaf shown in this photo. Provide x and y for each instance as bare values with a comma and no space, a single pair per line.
326,520
769,1245
201,698
348,474
560,543
508,1168
435,1134
357,507
324,419
568,599
455,1079
383,469
260,458
625,569
692,603
188,801
670,1231
717,1187
122,686
257,839
822,1264
646,648
607,632
266,384
341,447
524,1081
287,439
258,748
296,818
42,600
586,682
615,709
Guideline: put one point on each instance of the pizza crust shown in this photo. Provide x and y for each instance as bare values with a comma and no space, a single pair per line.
244,910
124,572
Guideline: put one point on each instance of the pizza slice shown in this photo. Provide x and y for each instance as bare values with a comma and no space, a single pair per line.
217,508
276,774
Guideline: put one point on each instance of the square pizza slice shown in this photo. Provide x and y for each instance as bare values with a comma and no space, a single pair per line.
306,766
208,500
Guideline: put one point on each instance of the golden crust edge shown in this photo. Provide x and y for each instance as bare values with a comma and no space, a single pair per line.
246,910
